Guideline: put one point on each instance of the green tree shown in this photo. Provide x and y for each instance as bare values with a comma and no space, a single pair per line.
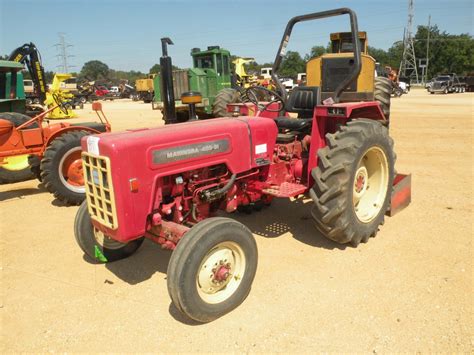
118,76
395,53
381,56
155,69
94,70
292,64
316,51
447,53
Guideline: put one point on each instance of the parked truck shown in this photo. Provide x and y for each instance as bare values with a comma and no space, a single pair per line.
447,83
469,81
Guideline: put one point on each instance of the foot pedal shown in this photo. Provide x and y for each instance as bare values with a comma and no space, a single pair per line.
286,189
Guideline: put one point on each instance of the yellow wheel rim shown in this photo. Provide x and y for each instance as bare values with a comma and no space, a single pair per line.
16,163
370,184
221,272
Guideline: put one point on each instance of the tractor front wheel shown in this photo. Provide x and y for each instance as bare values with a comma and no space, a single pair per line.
61,168
15,169
212,269
223,98
96,244
353,182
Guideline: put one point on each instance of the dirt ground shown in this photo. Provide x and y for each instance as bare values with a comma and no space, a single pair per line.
409,289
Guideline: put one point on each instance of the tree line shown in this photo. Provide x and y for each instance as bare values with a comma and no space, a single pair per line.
447,54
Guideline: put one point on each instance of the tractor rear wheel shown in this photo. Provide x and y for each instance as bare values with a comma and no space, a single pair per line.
212,269
223,98
353,182
61,168
96,244
382,93
17,168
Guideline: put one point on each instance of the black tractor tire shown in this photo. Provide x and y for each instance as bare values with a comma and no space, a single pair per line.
198,297
58,153
17,118
361,144
103,249
35,166
9,176
382,93
223,98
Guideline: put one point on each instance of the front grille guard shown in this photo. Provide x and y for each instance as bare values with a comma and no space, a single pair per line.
99,190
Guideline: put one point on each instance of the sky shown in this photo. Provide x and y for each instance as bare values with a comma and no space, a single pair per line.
126,34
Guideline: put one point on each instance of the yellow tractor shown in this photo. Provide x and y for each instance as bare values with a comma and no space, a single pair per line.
330,69
243,79
58,96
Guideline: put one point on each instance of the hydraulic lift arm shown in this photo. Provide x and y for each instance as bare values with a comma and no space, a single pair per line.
29,55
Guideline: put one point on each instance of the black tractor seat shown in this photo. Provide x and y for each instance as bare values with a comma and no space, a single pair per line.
94,125
302,100
293,124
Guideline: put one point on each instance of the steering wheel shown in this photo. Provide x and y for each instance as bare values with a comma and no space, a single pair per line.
252,94
61,105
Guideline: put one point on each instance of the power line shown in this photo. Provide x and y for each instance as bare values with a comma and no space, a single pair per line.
63,56
408,67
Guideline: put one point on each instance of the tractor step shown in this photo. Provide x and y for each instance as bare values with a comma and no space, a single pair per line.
286,189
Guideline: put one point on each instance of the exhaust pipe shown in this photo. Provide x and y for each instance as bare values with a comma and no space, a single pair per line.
167,87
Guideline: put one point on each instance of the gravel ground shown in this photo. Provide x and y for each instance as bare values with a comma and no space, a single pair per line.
409,289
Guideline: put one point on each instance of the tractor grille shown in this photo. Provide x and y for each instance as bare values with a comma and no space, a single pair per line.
437,85
99,190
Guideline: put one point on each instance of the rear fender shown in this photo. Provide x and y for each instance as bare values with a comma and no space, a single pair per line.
56,132
5,127
373,112
325,120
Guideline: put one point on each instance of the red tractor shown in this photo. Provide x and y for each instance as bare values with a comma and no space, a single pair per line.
167,184
53,151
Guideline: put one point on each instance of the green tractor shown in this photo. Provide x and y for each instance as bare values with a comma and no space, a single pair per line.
12,93
211,76
13,109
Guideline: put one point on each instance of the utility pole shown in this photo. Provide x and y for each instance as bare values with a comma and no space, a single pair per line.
62,46
428,48
408,66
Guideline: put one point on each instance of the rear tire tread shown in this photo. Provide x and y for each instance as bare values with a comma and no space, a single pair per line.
50,167
332,210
